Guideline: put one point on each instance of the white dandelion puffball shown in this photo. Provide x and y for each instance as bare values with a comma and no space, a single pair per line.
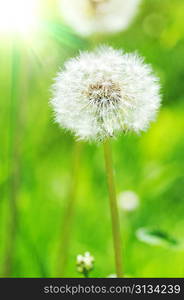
128,201
103,92
98,16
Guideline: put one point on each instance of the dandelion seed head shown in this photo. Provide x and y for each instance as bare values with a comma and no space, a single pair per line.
105,92
99,16
85,262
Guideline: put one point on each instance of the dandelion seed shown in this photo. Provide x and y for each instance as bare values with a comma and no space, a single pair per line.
85,263
99,16
105,92
128,201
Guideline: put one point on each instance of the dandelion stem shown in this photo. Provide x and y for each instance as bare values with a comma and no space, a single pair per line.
66,229
113,208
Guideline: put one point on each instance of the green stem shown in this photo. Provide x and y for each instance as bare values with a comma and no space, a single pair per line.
85,273
66,228
114,209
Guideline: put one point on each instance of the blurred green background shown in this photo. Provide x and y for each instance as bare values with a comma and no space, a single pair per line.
36,156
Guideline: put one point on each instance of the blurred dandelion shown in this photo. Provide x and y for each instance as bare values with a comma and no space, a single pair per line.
103,93
128,201
99,16
112,276
115,276
85,263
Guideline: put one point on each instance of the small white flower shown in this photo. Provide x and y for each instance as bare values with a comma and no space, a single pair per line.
85,263
79,259
94,16
104,92
128,200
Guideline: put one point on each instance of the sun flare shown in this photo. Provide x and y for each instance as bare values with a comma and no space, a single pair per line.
18,16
